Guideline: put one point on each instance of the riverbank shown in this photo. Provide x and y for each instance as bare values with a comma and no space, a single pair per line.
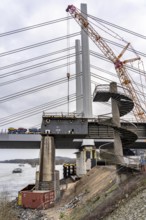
97,195
35,161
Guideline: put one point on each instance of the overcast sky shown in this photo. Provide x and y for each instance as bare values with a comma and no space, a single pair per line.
16,14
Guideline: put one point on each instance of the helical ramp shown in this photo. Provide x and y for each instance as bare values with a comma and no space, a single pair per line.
121,105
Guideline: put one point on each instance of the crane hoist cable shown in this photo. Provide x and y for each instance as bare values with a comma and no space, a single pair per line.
120,68
68,60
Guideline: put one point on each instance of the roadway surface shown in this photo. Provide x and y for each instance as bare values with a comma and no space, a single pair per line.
32,141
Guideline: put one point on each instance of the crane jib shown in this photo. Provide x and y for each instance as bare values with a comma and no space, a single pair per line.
108,52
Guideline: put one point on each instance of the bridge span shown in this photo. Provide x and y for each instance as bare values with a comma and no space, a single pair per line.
20,141
100,133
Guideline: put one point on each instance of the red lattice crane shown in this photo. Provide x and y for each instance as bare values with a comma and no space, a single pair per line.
119,65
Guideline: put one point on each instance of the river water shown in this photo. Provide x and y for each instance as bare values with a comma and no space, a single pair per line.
11,183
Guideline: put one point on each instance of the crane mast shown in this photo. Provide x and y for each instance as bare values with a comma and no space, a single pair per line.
109,54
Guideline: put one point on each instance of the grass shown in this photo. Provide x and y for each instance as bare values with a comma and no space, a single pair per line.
6,210
88,206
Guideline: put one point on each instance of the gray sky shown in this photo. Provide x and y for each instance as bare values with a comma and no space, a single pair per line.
17,14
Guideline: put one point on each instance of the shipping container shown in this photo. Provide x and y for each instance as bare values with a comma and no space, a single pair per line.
35,199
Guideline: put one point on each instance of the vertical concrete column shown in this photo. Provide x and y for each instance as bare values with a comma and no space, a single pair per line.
115,108
87,101
47,163
118,150
81,163
79,89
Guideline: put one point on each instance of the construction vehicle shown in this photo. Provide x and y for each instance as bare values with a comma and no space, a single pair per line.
120,68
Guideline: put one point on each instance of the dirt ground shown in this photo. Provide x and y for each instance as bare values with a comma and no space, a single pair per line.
94,196
95,181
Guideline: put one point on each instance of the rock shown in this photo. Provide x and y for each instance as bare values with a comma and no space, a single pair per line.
126,195
133,209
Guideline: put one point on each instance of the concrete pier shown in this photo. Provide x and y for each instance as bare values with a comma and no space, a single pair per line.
86,157
118,149
47,164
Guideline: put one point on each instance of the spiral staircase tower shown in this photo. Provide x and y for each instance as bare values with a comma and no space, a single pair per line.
121,105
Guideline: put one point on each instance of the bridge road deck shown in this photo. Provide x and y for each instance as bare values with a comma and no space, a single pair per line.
100,133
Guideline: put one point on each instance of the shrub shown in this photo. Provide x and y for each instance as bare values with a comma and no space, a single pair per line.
6,210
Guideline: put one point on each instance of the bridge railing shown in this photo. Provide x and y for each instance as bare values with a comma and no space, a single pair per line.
106,88
62,114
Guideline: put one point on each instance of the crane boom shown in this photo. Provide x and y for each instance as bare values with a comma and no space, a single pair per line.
108,52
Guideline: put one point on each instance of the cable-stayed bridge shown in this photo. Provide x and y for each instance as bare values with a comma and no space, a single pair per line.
114,138
60,61
26,73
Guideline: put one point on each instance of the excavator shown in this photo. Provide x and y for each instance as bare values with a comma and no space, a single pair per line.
119,65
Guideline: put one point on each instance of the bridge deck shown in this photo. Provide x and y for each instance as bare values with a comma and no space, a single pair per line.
101,135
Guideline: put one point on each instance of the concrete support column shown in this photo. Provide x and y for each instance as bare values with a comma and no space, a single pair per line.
86,158
118,150
47,163
115,108
80,163
79,88
87,101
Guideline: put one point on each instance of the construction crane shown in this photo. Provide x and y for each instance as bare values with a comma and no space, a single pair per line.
119,65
